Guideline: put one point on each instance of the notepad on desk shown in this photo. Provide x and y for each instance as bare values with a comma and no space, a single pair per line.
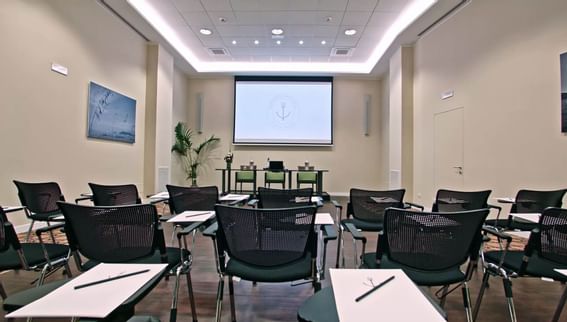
160,195
192,216
234,197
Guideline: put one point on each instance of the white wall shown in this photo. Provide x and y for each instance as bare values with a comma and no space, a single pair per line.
501,58
179,114
43,115
353,161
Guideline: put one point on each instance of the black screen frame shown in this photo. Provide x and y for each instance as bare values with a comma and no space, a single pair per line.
306,79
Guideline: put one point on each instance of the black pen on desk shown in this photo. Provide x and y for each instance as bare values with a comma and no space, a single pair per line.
196,214
110,279
374,288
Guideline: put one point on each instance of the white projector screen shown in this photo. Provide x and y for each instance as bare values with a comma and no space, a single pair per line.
283,110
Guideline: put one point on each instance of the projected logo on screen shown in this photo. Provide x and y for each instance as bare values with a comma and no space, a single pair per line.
283,111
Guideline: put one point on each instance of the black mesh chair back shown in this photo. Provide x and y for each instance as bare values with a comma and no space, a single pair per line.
284,198
369,205
4,233
453,201
192,198
114,195
552,242
266,237
533,201
112,234
39,198
432,241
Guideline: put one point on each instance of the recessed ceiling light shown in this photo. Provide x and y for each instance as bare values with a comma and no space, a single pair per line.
350,32
329,19
301,42
256,42
323,42
234,42
278,42
206,32
277,31
222,19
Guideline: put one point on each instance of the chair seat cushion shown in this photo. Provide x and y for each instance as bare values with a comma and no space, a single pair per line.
319,307
419,277
295,270
20,299
536,266
33,253
364,225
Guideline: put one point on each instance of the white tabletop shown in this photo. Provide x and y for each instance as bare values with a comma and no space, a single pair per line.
160,195
234,197
96,301
530,217
519,234
190,216
398,300
561,271
506,200
324,218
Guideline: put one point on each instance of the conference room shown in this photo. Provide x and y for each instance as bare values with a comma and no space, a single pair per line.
419,95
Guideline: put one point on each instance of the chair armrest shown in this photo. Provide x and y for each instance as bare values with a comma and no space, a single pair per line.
83,198
165,218
211,231
498,234
414,205
491,206
188,229
337,204
354,232
329,233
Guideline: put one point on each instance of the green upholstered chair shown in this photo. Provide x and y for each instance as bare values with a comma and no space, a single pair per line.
263,245
431,247
244,176
306,177
545,251
41,257
274,177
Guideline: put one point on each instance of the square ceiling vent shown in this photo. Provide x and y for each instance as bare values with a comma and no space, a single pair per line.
218,52
341,52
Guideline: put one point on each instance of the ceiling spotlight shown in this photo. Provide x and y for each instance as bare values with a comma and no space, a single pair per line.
323,42
301,42
350,32
279,42
277,31
206,32
234,42
222,19
256,42
329,19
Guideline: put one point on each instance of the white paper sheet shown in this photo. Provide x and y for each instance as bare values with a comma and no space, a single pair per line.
519,234
561,271
234,197
161,195
192,216
13,208
324,218
95,301
398,300
531,217
506,200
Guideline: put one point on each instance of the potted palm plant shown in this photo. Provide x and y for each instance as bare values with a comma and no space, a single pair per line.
192,157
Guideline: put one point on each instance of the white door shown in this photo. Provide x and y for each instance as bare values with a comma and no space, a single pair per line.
449,168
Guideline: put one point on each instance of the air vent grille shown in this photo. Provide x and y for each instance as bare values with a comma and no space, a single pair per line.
341,52
218,52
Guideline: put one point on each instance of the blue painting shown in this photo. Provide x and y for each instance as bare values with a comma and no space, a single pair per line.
112,116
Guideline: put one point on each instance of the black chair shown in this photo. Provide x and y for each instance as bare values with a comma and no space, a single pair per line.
192,198
115,195
125,234
42,257
284,198
545,251
453,201
529,201
40,202
431,247
263,245
365,212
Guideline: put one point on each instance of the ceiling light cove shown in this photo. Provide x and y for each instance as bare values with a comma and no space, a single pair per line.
149,10
350,32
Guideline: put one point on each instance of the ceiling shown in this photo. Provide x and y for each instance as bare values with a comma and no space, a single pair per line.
313,39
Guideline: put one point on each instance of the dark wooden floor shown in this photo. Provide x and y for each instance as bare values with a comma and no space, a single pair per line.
535,299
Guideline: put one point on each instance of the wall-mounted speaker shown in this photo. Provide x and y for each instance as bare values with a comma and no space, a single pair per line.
199,113
366,114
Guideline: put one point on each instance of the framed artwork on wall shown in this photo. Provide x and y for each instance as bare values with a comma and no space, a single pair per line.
111,115
563,60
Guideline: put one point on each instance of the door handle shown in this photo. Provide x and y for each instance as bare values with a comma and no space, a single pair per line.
459,169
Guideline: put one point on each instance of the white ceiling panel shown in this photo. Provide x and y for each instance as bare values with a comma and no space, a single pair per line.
362,5
188,5
356,18
216,5
197,19
382,19
391,5
228,18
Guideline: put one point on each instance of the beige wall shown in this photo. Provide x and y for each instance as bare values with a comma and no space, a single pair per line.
501,58
43,115
354,160
179,114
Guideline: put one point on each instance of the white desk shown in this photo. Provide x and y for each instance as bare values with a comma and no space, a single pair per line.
519,234
529,217
191,216
398,300
96,301
506,200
